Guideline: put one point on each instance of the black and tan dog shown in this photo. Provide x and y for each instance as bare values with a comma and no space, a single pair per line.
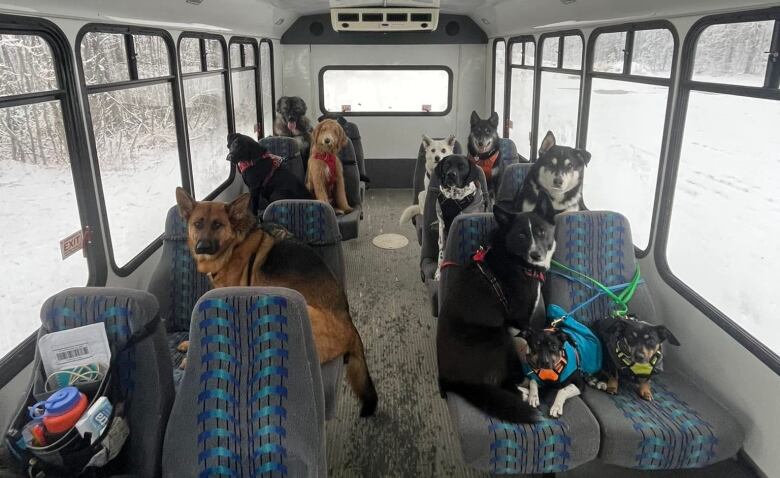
228,246
325,175
498,289
291,121
632,349
484,151
263,173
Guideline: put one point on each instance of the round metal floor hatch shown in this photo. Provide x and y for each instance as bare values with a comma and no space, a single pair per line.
390,241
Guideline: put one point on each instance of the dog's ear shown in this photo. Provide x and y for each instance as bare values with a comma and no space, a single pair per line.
525,333
238,208
298,101
231,137
427,140
583,155
280,102
341,137
185,202
504,217
451,140
544,207
474,118
666,334
547,143
494,120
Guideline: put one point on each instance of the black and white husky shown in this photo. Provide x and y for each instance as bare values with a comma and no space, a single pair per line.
560,172
435,151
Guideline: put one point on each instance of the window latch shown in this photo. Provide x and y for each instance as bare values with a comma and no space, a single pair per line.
773,55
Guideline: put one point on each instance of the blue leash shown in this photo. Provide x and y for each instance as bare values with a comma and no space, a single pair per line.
613,288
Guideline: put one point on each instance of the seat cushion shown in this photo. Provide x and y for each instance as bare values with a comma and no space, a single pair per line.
349,224
681,428
550,446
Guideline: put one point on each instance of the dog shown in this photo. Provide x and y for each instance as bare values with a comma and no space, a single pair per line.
435,150
559,171
291,121
325,175
263,173
229,247
456,195
344,124
483,149
632,348
497,290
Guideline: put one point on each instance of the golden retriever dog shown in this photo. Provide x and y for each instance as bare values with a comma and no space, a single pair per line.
325,174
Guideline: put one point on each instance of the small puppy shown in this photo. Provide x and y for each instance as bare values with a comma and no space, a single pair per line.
325,174
551,361
456,195
632,348
560,172
483,149
291,121
263,173
435,150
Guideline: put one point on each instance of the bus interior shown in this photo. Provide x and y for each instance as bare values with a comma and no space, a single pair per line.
108,106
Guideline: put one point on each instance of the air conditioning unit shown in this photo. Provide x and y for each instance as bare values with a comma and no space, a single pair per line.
384,19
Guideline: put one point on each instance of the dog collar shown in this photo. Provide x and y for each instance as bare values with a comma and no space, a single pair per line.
638,369
330,161
486,163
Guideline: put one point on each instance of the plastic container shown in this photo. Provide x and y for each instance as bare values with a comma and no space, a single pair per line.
60,412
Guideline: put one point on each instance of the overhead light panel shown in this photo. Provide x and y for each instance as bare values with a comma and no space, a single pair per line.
384,19
194,2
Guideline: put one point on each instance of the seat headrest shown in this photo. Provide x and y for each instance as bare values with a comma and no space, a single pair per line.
282,146
467,233
175,226
312,222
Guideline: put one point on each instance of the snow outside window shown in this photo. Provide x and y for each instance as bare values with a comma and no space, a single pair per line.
521,96
499,61
244,87
266,84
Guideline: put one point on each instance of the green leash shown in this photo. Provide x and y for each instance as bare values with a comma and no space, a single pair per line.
621,299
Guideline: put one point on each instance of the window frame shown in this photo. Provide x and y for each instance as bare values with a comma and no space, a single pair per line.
16,359
590,74
508,86
770,358
496,41
86,90
242,41
261,106
446,69
558,69
227,81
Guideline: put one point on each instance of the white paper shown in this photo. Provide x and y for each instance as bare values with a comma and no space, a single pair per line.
74,347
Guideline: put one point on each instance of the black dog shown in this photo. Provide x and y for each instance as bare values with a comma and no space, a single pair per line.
291,121
497,289
483,149
632,348
559,171
267,179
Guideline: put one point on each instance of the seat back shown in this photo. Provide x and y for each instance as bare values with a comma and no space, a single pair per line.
509,154
251,401
351,174
353,133
176,282
419,168
596,243
286,148
138,346
314,223
511,183
467,233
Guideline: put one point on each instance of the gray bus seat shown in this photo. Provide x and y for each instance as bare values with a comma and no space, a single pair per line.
511,183
251,400
419,183
349,223
488,444
429,253
287,148
682,427
144,367
314,223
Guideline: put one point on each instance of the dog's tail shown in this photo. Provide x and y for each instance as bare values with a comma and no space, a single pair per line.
495,401
409,213
359,378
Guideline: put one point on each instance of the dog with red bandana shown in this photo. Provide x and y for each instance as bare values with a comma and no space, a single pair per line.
325,174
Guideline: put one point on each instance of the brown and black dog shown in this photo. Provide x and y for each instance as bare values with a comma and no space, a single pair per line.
325,173
232,250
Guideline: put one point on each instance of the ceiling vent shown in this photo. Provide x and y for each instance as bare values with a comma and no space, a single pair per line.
384,19
194,2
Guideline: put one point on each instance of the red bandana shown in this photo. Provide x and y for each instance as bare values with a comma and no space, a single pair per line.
330,160
486,164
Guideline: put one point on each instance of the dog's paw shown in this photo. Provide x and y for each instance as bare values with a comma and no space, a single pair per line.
184,346
612,386
437,274
339,212
645,392
556,410
533,399
523,393
348,210
602,386
183,364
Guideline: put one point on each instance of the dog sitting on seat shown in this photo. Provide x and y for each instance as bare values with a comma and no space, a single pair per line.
291,121
435,150
483,149
325,174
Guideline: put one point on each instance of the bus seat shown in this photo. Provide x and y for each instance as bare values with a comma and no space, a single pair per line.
682,427
488,444
509,154
429,253
251,401
287,148
177,284
314,223
144,367
419,184
511,183
349,223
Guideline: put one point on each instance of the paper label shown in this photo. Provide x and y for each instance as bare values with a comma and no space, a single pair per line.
346,108
72,244
426,108
74,347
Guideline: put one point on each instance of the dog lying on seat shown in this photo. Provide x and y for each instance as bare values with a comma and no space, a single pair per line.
435,150
325,174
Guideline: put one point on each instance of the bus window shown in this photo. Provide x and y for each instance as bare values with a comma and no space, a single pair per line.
37,191
521,93
722,237
499,62
381,90
134,134
560,87
243,74
267,100
206,109
626,120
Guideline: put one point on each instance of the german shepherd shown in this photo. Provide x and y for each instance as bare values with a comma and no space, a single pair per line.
232,250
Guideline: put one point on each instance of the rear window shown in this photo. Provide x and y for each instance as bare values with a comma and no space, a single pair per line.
376,90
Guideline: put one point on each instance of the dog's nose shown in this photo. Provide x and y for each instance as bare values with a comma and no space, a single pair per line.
481,143
436,158
536,256
639,357
327,140
205,247
558,182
